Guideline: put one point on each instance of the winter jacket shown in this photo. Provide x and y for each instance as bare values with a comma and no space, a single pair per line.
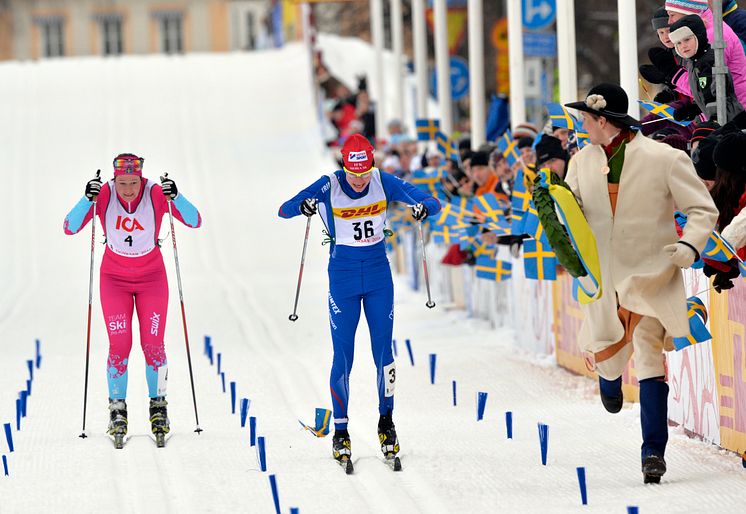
735,59
630,242
735,232
735,17
702,86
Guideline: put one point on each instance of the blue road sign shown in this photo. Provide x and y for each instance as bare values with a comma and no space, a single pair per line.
539,44
538,14
459,69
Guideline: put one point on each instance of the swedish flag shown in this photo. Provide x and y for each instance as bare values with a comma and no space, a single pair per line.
718,249
509,148
482,248
698,332
663,111
453,213
428,181
427,129
488,205
561,117
445,235
492,269
539,261
447,146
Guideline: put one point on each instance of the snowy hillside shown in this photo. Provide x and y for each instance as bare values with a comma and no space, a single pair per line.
239,135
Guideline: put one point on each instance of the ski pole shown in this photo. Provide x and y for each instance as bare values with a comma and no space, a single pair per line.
183,312
90,301
294,316
430,303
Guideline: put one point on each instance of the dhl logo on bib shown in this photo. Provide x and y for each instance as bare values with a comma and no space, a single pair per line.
360,212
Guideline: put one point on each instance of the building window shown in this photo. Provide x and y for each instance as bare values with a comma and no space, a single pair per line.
171,27
112,41
52,38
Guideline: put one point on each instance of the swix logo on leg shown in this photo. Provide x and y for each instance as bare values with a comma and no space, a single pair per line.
155,321
128,224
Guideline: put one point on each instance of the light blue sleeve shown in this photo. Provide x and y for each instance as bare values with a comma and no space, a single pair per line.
189,214
77,217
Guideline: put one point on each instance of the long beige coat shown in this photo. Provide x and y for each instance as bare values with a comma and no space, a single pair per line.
656,180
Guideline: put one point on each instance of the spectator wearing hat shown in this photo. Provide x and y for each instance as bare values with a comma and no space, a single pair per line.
352,203
550,154
735,17
690,39
525,130
643,301
735,58
483,174
729,194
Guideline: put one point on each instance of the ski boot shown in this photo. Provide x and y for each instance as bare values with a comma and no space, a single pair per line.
159,423
611,394
389,441
118,422
653,468
342,450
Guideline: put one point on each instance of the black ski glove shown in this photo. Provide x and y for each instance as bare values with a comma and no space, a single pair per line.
419,212
687,112
665,96
93,187
308,207
652,74
169,187
724,280
663,59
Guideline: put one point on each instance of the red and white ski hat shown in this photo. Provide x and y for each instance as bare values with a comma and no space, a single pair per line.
686,6
357,154
128,164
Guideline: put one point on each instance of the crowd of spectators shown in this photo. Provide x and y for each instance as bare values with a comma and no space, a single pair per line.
680,75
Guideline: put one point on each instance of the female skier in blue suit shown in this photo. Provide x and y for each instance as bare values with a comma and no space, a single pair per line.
352,203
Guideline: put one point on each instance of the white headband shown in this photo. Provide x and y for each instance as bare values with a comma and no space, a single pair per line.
680,34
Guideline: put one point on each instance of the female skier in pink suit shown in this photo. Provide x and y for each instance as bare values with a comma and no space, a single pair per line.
130,209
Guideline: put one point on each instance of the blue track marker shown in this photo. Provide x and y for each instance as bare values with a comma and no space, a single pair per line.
433,360
294,510
30,366
543,442
262,453
5,465
207,346
509,424
9,437
409,350
222,379
244,410
233,397
23,395
38,354
481,404
252,430
393,346
220,362
19,412
275,493
453,383
28,387
581,483
631,509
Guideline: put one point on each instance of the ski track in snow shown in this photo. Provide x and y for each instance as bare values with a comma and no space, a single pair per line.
238,134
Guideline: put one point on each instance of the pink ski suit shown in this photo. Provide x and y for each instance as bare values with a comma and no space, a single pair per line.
133,275
735,60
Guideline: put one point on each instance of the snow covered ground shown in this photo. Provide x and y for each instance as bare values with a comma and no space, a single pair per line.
238,134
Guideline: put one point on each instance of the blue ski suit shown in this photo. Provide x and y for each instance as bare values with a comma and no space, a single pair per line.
359,275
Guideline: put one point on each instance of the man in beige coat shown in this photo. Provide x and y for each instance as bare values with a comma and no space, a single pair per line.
643,304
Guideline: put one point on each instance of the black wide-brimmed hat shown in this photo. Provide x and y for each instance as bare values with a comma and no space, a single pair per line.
609,101
549,147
